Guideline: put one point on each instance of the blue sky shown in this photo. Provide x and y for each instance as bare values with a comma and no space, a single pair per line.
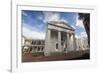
34,22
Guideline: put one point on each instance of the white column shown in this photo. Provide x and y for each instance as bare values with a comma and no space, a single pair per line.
32,49
68,45
74,42
59,41
36,48
71,42
47,43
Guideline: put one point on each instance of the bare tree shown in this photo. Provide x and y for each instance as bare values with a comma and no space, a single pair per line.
86,22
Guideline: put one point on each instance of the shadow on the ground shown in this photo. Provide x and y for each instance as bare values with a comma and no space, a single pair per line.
74,55
84,56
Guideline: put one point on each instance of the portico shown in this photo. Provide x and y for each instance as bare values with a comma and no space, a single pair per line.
59,38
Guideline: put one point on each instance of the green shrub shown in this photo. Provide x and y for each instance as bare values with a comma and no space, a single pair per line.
35,54
56,53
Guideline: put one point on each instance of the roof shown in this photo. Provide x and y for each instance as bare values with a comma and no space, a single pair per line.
61,24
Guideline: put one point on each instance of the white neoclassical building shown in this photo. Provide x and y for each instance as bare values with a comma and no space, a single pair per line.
60,37
82,43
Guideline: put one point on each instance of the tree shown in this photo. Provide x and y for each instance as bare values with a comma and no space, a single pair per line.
86,22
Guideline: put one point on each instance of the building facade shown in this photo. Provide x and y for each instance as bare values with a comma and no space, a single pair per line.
60,37
82,43
33,45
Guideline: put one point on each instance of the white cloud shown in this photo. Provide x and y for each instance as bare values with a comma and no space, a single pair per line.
40,17
64,20
73,26
28,26
33,34
25,14
77,36
53,16
79,23
82,35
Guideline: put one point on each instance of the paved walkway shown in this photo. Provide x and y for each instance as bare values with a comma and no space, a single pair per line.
75,55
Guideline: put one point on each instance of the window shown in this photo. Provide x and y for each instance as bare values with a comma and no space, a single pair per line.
56,45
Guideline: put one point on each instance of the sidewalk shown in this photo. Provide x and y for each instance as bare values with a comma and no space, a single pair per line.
75,55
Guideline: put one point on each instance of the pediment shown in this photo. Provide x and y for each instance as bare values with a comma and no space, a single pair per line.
61,24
